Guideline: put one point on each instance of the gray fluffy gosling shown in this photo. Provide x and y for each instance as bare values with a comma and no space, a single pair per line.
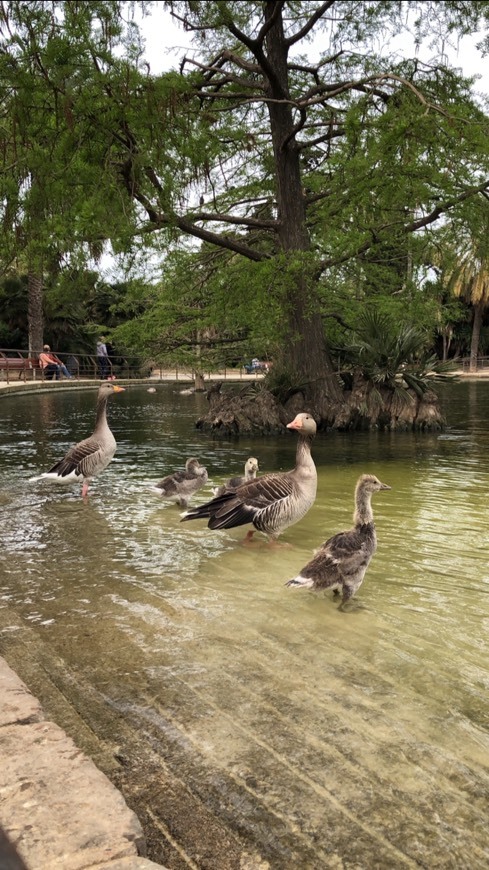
180,486
250,469
341,562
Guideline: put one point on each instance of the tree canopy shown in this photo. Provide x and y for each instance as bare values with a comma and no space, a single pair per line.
288,170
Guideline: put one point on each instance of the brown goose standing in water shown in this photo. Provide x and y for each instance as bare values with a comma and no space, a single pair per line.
92,455
181,485
342,561
272,502
250,469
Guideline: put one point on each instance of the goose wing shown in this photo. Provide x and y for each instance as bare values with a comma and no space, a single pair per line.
342,556
170,483
85,459
245,504
232,483
266,490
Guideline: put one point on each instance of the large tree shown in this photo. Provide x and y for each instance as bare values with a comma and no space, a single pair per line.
57,205
301,165
346,154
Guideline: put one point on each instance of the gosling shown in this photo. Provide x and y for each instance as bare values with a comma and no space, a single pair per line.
341,562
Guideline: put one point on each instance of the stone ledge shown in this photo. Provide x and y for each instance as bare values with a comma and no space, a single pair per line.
56,807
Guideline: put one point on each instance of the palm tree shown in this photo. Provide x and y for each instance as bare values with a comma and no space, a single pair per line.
468,279
394,355
392,372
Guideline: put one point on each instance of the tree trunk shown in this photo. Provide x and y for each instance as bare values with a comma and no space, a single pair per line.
305,355
35,317
446,339
199,383
476,332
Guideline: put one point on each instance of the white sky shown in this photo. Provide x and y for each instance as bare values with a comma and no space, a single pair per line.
166,43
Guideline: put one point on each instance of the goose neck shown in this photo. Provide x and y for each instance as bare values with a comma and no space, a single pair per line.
101,413
363,515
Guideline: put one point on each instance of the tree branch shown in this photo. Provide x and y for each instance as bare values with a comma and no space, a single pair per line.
309,24
443,207
412,227
158,220
238,221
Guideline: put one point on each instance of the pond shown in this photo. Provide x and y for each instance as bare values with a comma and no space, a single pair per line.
250,725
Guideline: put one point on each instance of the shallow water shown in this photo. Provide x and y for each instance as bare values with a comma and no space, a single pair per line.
286,730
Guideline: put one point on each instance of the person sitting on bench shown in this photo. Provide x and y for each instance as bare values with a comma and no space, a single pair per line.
51,365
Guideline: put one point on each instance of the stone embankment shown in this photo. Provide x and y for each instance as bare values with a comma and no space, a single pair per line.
57,810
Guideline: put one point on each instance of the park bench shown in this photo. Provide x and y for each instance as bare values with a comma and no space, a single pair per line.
20,364
253,367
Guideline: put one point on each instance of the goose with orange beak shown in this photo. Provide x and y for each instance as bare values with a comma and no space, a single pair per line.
272,502
91,456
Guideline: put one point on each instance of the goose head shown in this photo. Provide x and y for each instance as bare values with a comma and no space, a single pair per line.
251,465
370,483
193,465
107,388
304,424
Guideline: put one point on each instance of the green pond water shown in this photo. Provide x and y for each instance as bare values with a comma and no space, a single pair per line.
256,726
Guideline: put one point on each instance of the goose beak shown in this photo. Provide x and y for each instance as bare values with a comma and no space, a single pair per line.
296,423
384,486
118,389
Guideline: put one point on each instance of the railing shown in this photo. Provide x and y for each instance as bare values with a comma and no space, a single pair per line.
18,365
482,362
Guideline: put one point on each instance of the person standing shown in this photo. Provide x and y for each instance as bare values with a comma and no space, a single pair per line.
103,358
51,365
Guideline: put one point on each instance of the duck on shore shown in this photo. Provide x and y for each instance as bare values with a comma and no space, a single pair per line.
91,456
273,502
180,486
250,469
341,562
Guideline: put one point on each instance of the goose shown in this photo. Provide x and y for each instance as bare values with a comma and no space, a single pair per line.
342,561
272,502
181,485
250,469
89,457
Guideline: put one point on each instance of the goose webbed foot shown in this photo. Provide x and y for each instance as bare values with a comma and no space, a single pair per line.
351,604
248,538
275,544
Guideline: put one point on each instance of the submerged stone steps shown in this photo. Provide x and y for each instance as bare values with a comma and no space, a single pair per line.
56,808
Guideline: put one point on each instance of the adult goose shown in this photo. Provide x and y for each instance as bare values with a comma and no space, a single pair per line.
250,469
181,485
91,456
342,561
271,502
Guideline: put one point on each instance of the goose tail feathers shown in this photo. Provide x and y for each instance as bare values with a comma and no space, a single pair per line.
300,581
55,477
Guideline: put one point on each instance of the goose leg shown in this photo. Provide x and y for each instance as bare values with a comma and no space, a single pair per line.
345,598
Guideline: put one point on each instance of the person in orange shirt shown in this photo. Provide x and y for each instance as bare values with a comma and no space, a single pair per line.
51,365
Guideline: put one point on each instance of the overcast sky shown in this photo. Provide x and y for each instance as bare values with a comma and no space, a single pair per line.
166,43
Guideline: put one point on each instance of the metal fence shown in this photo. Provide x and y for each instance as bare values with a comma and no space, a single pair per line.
17,365
481,363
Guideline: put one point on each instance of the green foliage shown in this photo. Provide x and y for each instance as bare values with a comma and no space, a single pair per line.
394,354
13,306
196,168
